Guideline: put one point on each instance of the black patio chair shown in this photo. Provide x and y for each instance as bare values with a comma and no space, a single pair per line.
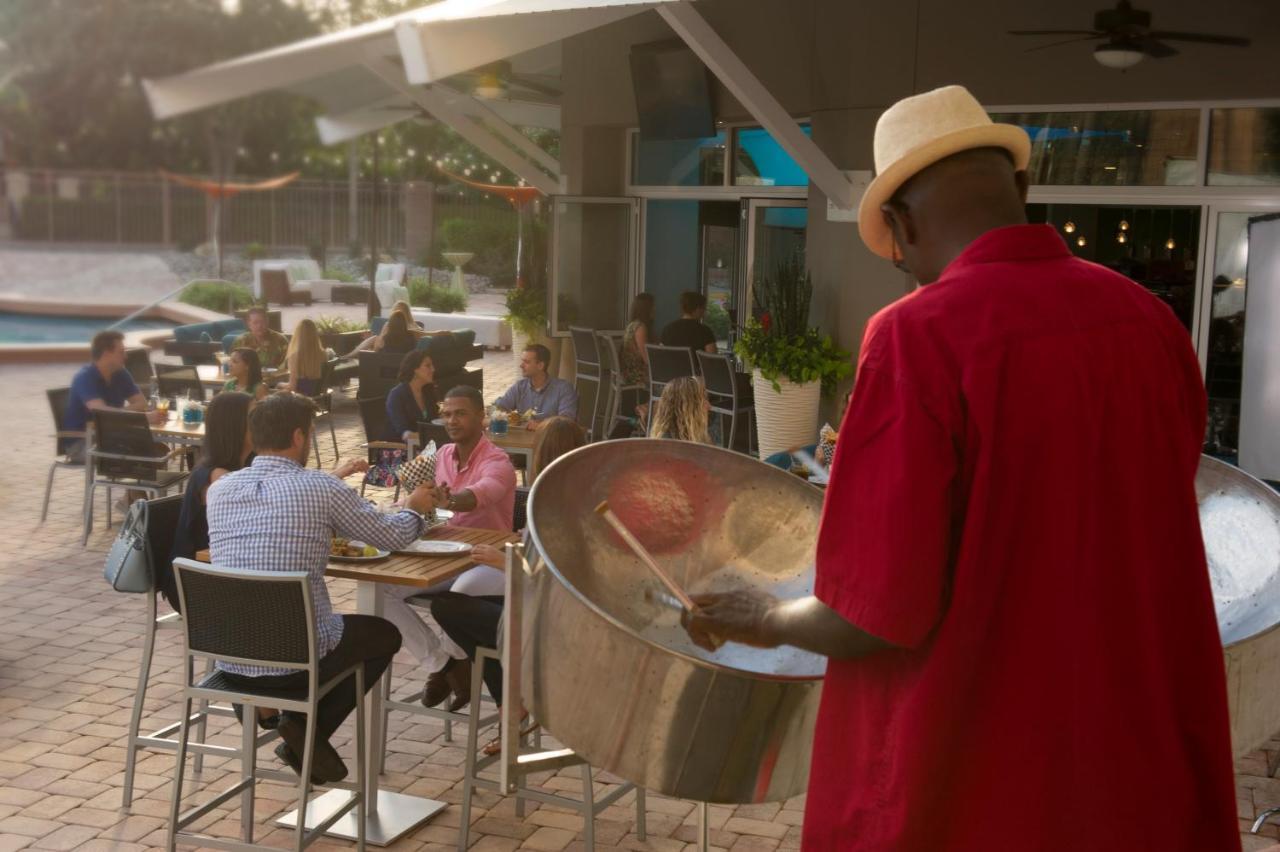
176,382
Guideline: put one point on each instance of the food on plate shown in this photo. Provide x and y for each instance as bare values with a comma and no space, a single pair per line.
348,548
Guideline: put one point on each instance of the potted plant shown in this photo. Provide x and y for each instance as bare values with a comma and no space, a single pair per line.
792,364
341,335
527,313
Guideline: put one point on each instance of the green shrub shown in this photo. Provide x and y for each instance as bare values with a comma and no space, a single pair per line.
717,319
338,325
255,251
335,274
435,298
527,310
221,296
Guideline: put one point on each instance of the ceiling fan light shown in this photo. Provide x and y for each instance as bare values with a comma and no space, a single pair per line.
1117,56
490,86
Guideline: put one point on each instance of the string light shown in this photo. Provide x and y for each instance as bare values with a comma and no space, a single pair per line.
1121,238
1070,227
1081,241
1124,225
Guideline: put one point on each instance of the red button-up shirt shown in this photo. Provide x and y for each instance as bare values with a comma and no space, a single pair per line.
1012,505
488,475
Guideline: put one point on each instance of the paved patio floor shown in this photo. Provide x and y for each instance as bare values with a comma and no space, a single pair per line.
69,649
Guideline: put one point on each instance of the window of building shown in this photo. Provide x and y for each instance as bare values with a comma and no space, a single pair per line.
1244,147
678,162
758,160
1111,148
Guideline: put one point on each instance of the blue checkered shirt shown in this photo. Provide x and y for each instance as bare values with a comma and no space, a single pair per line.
276,515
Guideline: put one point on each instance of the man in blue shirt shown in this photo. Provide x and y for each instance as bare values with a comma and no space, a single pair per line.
103,384
538,391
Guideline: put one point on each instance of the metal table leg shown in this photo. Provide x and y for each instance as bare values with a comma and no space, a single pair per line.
390,815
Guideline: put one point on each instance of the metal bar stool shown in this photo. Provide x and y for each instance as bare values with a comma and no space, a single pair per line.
226,612
589,376
727,398
618,389
667,363
513,766
120,454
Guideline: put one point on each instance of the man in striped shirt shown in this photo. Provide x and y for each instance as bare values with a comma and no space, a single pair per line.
278,515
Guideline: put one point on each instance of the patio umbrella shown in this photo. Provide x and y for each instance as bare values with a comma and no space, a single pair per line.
218,190
518,197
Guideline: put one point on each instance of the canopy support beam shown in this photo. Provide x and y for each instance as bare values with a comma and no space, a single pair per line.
694,30
509,132
437,103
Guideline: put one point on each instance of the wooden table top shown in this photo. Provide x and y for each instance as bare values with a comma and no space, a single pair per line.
212,375
176,428
517,438
415,569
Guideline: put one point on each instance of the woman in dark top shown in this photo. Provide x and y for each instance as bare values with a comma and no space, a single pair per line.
226,448
413,399
398,337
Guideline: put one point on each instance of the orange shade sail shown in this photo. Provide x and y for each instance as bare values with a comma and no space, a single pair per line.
227,189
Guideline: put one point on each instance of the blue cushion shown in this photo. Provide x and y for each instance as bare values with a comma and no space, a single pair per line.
214,330
376,324
228,339
784,461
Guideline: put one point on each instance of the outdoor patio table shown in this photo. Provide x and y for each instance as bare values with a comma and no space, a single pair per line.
518,441
212,377
174,431
390,815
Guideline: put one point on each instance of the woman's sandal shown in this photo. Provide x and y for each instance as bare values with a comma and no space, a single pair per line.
494,746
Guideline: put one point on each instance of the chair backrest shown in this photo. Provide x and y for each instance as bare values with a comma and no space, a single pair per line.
373,416
667,363
275,285
586,351
180,381
607,349
428,432
520,513
162,525
123,433
718,375
59,399
379,372
257,617
138,362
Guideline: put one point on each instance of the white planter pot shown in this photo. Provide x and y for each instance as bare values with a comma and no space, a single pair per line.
788,418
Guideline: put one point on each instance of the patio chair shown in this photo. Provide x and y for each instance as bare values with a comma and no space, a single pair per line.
264,619
373,416
162,521
589,378
323,402
176,382
138,362
620,398
276,289
58,400
123,454
514,762
728,398
428,432
667,363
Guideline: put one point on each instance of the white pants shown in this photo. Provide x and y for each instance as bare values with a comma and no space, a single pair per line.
421,635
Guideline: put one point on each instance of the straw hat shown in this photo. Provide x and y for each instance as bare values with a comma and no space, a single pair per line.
917,132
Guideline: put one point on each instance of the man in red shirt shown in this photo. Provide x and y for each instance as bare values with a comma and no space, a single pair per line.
1011,583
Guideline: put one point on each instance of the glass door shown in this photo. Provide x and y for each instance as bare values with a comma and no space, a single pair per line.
1222,308
775,229
593,262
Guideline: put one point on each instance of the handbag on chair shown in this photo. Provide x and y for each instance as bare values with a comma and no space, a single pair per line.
128,567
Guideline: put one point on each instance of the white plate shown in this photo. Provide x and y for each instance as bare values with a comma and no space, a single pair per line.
437,548
444,514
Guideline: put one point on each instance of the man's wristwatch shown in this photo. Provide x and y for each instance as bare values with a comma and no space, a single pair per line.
451,502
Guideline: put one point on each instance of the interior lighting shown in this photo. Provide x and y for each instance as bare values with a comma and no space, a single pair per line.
1108,168
1081,241
1070,227
1170,244
1121,238
1124,224
1117,56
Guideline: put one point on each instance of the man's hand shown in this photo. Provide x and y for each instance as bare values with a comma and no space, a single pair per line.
739,616
442,494
349,466
535,425
422,500
157,418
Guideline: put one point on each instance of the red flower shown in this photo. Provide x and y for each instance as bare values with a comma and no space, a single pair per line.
766,321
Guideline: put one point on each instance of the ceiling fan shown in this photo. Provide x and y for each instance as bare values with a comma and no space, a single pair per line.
497,80
1128,37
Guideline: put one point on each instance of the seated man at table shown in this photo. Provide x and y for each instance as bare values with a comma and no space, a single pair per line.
279,515
102,384
538,391
690,330
271,345
474,480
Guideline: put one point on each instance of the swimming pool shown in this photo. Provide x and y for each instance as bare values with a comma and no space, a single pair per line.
43,328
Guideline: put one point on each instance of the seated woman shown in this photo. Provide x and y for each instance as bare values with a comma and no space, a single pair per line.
682,411
472,620
396,336
305,360
375,342
413,399
246,374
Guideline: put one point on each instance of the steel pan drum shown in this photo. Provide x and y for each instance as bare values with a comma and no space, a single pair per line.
606,665
1240,521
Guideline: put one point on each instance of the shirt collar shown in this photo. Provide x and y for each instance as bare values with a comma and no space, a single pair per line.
1011,243
275,461
484,448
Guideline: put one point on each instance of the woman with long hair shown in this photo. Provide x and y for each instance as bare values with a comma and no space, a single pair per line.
396,335
634,356
413,399
375,342
682,412
305,359
246,373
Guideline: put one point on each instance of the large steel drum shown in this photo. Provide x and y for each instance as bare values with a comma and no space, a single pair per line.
606,665
1240,521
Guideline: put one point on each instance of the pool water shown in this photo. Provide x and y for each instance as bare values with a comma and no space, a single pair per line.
39,328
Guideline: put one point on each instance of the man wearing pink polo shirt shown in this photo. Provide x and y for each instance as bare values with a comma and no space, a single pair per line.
475,481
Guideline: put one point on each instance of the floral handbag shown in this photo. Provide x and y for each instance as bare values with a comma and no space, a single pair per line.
383,470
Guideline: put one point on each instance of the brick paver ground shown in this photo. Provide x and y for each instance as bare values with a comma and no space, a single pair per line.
69,650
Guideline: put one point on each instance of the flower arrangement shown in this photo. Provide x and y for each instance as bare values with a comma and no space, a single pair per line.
781,343
527,310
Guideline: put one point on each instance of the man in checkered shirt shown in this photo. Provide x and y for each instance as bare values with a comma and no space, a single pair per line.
278,515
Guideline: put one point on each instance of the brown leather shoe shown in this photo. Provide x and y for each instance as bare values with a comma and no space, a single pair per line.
459,676
438,686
